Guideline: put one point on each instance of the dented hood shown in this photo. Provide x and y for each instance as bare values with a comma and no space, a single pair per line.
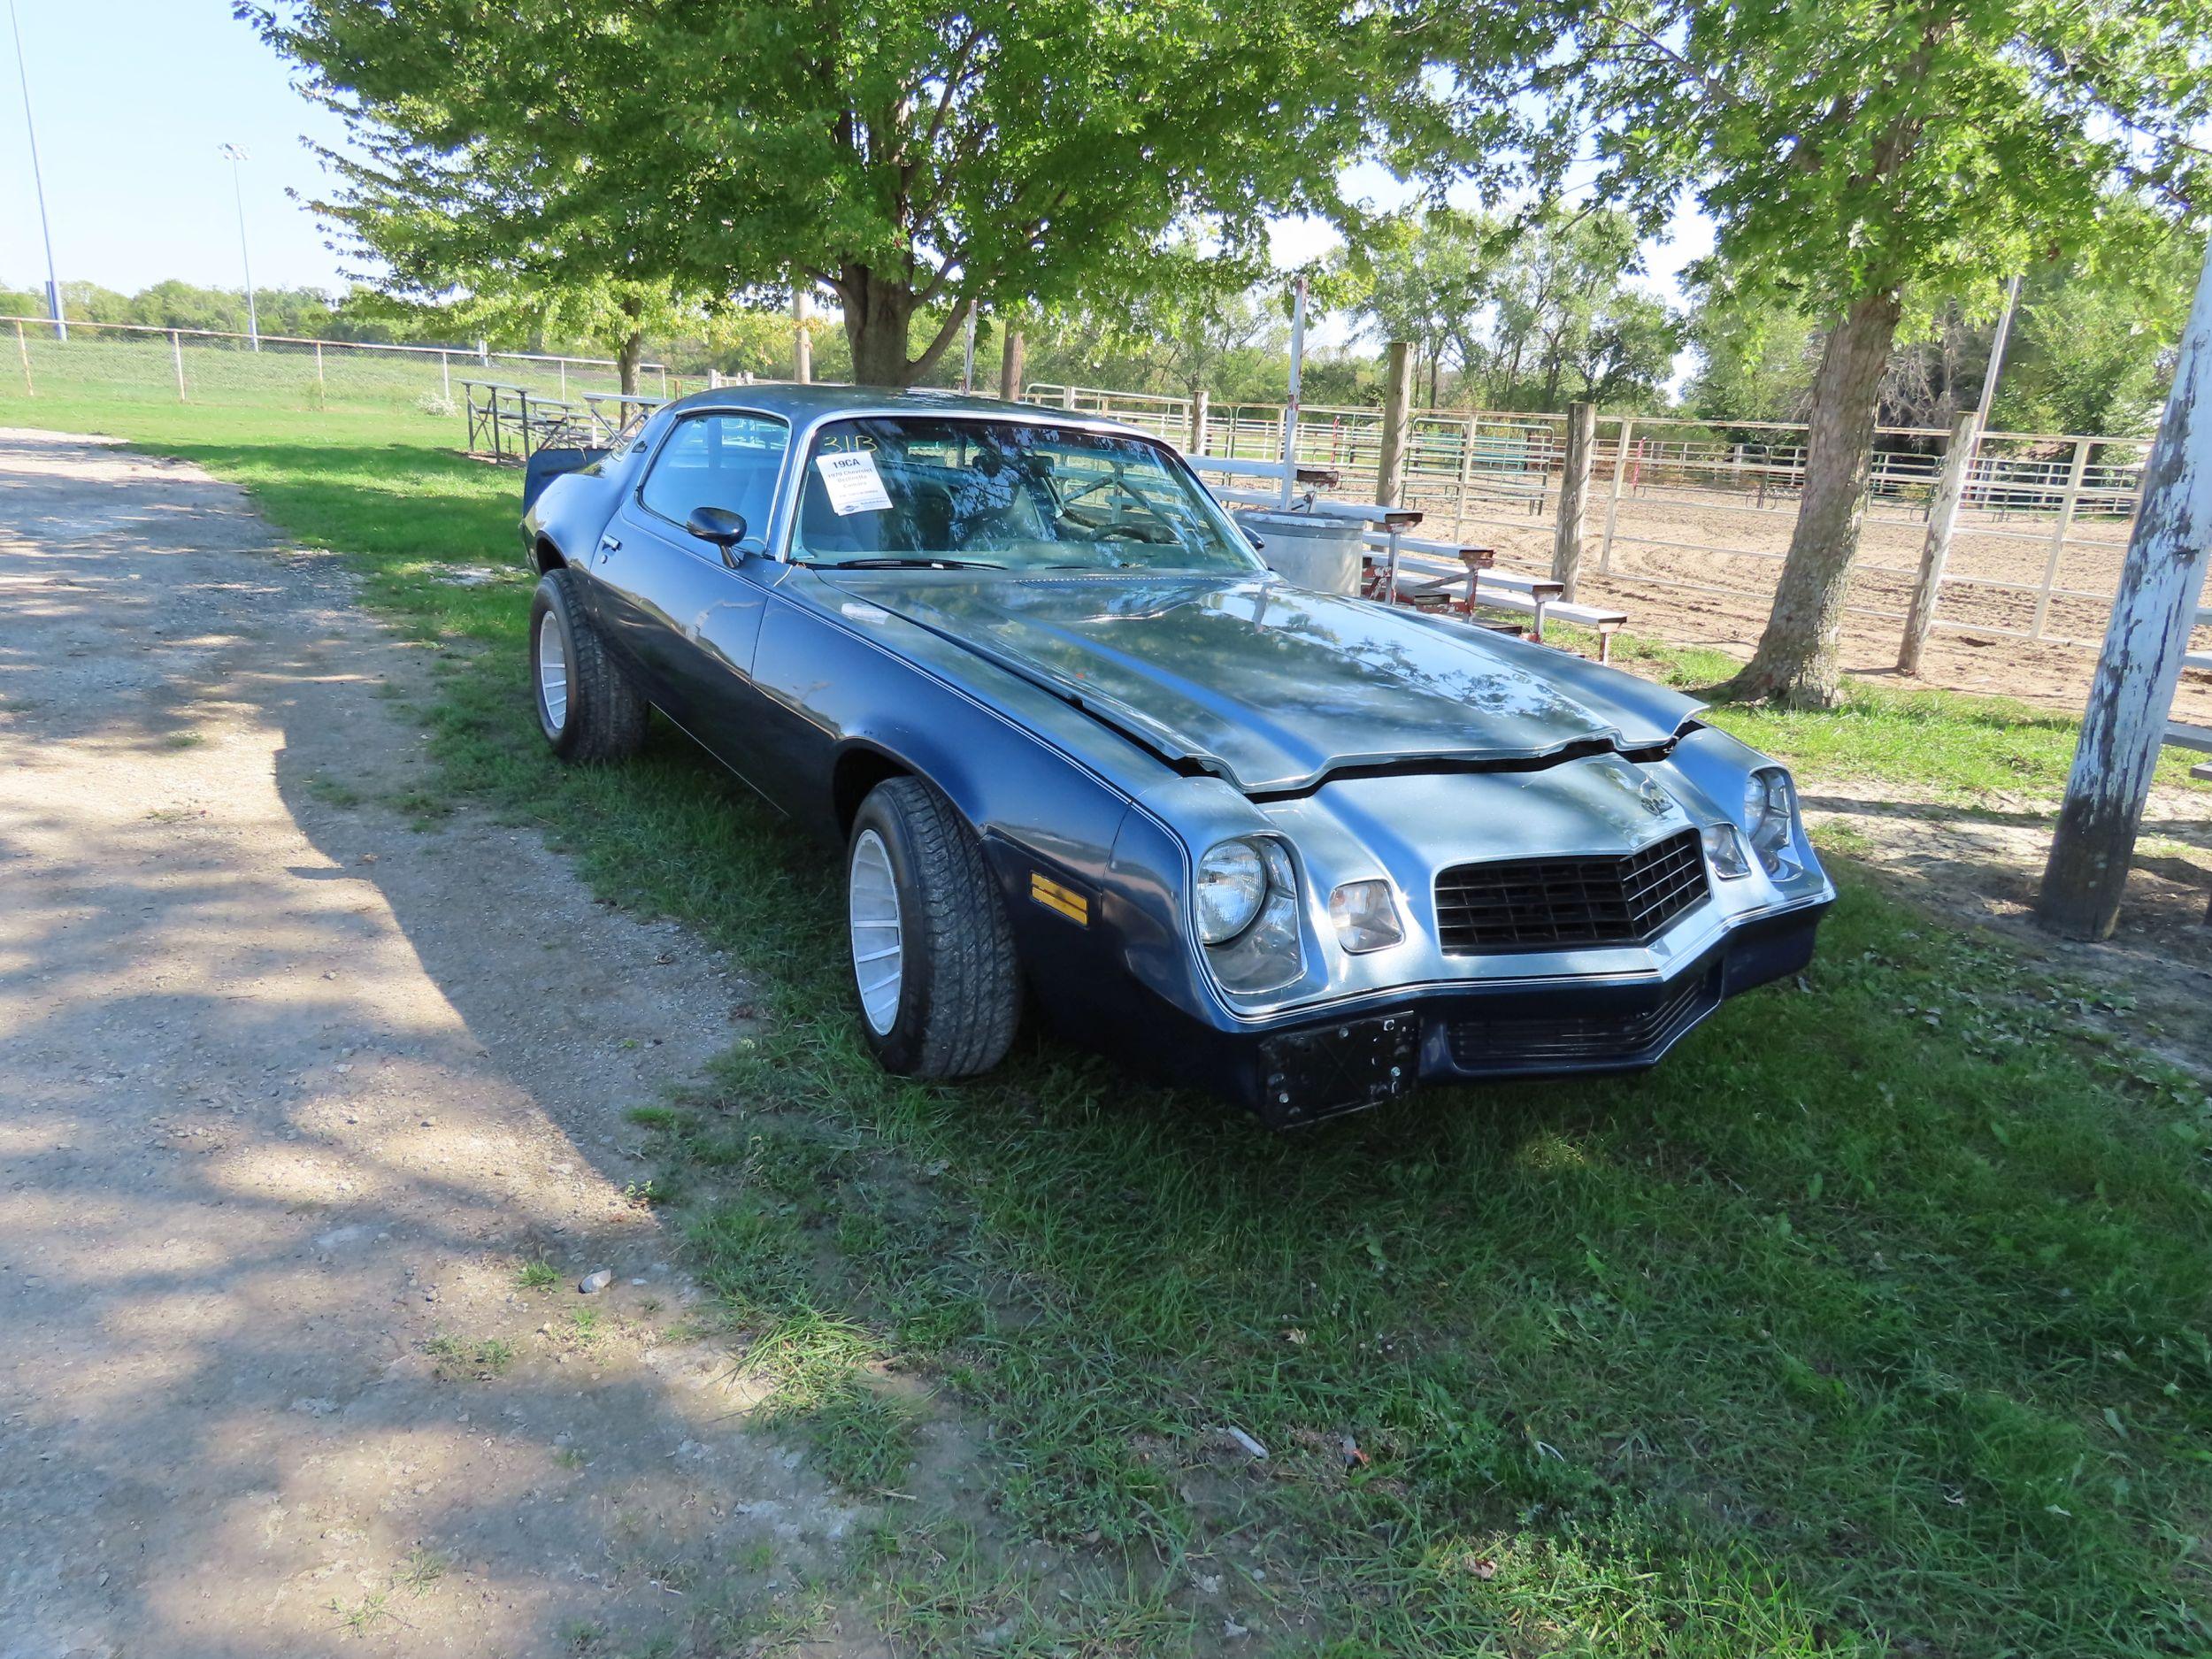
1274,687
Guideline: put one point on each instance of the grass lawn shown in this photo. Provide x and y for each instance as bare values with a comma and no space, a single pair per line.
1874,1321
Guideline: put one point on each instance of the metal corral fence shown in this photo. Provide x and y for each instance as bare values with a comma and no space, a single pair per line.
1698,507
138,363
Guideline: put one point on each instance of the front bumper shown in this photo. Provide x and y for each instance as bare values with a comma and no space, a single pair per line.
1319,1066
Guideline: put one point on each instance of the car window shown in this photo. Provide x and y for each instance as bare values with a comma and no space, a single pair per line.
1018,495
727,460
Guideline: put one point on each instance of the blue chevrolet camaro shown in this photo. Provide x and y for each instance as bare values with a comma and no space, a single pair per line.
1087,756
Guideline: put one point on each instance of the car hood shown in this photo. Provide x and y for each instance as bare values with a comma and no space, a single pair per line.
1274,687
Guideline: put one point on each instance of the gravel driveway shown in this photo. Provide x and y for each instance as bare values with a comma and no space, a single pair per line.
291,1090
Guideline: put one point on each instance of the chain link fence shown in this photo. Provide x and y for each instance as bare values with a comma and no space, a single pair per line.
136,364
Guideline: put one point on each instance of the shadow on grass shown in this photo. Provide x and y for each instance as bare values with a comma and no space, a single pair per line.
1875,1318
1807,1338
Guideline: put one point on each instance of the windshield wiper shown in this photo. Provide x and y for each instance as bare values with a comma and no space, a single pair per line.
907,564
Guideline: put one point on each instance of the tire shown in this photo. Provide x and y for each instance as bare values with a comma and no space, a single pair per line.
588,707
957,996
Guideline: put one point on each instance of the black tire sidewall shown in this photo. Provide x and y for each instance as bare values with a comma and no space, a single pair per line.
552,602
899,1049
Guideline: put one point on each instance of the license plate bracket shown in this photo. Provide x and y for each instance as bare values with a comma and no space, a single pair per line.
1345,1065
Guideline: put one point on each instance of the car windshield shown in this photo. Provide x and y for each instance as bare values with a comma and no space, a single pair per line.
935,491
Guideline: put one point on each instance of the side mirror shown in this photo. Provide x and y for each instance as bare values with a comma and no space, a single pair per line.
1258,546
718,524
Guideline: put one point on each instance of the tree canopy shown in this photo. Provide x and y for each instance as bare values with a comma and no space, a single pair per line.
907,155
1850,149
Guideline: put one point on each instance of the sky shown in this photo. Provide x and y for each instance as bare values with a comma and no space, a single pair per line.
133,99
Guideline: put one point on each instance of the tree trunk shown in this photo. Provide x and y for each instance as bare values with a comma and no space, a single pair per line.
627,356
879,310
1013,361
1797,662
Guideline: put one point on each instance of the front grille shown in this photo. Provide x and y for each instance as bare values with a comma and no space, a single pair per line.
1538,903
1492,1044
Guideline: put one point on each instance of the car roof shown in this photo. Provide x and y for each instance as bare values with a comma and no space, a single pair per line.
801,404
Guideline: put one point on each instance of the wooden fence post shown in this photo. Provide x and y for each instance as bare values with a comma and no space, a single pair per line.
2133,693
23,351
1390,466
1613,502
1935,551
1574,496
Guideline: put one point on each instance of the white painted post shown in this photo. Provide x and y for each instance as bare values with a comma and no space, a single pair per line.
1290,409
1198,422
1613,503
1466,477
2133,692
176,355
564,380
445,373
801,339
322,391
1574,497
23,351
967,354
2058,536
1935,551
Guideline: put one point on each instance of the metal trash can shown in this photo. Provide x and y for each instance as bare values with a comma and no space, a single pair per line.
1308,549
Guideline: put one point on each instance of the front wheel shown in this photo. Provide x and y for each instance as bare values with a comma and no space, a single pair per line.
586,706
932,955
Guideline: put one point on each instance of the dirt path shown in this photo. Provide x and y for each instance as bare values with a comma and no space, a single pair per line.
291,1092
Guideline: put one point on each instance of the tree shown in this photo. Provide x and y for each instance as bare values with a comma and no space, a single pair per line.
907,155
1420,278
1847,150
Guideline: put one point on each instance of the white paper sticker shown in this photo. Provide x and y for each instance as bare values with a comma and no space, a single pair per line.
853,482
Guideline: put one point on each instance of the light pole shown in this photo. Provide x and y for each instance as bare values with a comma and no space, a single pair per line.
38,180
233,155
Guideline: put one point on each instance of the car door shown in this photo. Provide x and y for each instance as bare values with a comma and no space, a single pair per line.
687,615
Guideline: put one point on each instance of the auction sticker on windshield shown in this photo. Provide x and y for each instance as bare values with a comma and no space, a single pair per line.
853,482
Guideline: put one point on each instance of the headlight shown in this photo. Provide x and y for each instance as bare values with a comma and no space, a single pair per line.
1248,915
1770,818
1724,845
1365,917
1232,886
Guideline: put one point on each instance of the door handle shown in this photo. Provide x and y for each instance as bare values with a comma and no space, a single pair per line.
608,544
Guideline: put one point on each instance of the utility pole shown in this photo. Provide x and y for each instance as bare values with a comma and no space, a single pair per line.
2132,695
233,155
38,181
1997,354
1390,467
1297,372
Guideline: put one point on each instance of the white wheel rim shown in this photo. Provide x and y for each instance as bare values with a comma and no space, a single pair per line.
871,909
552,672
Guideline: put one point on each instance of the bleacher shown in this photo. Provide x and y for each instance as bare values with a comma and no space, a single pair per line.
2180,733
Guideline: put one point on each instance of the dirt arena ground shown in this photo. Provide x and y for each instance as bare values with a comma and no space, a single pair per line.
1674,587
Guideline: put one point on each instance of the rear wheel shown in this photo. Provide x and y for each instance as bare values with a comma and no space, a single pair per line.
586,706
932,957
